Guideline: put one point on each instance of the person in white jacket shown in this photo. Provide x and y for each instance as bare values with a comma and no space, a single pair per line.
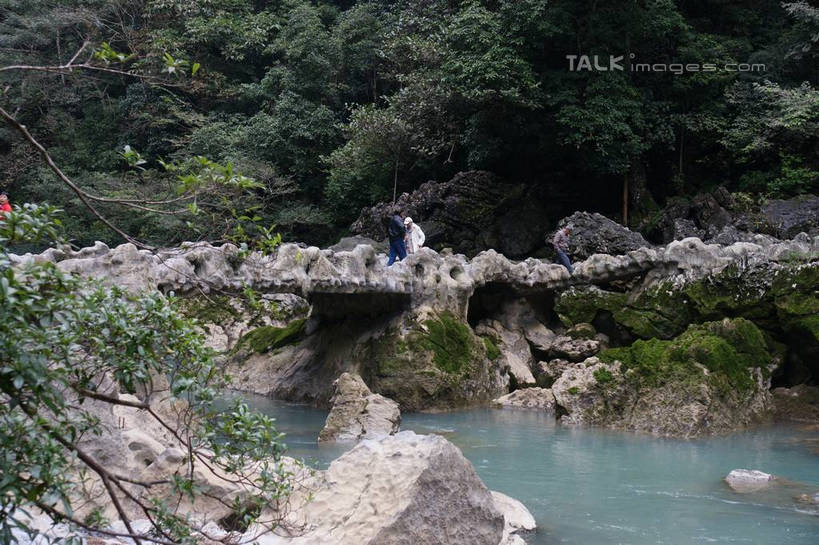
415,236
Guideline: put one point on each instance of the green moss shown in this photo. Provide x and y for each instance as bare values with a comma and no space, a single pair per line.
265,338
574,390
577,305
451,342
603,376
728,349
582,330
214,309
492,350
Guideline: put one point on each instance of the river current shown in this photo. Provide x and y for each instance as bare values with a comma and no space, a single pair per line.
598,487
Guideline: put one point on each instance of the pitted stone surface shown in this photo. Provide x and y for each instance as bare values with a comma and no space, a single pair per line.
439,281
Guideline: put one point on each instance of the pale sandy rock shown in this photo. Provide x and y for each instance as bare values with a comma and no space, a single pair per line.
748,480
528,398
516,518
357,413
404,489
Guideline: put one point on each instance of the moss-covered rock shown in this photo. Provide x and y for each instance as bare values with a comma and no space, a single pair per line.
577,305
436,363
451,341
731,351
492,350
266,338
581,331
712,378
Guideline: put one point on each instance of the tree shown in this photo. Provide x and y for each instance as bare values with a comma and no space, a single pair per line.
68,345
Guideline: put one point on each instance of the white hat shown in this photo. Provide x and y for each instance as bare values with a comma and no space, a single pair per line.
407,220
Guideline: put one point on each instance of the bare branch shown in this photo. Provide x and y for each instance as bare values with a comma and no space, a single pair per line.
77,54
60,515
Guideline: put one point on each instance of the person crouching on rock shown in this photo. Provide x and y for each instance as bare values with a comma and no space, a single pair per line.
561,244
414,238
396,233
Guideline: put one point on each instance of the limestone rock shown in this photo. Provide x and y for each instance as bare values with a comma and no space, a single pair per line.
514,349
474,211
582,330
528,398
597,234
548,372
716,381
516,518
748,480
358,413
404,489
574,349
799,403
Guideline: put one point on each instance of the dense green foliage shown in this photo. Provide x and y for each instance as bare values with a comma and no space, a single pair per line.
332,105
61,340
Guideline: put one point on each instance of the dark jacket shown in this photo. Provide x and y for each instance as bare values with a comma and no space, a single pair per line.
396,229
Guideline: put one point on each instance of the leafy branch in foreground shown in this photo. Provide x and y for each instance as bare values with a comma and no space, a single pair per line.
82,366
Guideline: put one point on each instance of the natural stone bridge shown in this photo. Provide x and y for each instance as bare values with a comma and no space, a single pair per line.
358,281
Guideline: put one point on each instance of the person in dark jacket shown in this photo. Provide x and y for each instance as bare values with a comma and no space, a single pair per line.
396,232
561,245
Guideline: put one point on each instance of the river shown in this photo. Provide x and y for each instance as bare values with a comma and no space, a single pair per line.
598,487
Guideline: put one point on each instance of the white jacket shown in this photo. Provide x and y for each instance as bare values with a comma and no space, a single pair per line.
415,239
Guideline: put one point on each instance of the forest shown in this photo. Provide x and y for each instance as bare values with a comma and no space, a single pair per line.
320,108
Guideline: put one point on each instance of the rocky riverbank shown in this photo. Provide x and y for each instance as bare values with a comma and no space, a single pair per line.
680,340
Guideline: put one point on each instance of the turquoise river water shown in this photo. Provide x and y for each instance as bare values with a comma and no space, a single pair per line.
597,487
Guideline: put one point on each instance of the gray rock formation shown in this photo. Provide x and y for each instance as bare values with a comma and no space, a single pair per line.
793,216
748,480
547,372
597,234
337,283
357,413
721,219
528,398
514,348
799,403
404,489
714,378
474,211
565,347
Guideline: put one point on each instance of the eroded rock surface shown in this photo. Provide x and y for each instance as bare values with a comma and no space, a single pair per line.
357,413
714,378
528,398
405,489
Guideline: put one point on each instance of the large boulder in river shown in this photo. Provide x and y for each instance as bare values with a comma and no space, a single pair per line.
358,413
713,378
405,489
597,234
474,211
